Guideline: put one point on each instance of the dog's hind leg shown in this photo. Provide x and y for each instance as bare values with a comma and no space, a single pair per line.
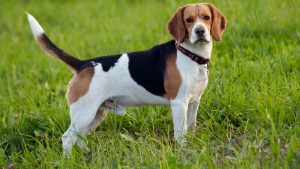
114,107
100,116
83,113
68,139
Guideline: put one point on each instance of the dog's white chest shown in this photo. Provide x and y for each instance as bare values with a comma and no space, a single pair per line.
194,76
199,83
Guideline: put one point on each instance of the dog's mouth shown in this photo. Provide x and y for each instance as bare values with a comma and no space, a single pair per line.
202,41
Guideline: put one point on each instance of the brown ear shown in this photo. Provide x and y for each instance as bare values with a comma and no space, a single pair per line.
176,25
218,24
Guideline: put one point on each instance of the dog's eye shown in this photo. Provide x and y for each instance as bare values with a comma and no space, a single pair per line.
206,18
189,20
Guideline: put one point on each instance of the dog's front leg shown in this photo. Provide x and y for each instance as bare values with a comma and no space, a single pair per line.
192,115
179,114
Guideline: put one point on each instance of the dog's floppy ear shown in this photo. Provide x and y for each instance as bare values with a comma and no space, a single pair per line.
218,24
176,25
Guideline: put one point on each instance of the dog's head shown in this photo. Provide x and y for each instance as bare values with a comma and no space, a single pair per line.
197,23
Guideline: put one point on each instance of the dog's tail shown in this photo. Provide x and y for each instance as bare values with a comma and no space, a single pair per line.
49,47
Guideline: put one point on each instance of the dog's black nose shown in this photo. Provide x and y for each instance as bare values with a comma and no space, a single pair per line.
200,31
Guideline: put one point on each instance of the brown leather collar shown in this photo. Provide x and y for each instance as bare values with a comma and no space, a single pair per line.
198,59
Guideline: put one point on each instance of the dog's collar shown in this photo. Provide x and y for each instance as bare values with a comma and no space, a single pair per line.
198,59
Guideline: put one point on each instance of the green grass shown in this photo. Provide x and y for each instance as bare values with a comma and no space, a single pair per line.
249,115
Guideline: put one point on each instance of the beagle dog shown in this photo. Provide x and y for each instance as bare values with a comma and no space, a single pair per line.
173,73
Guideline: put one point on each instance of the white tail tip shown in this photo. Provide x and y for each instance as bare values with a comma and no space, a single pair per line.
34,25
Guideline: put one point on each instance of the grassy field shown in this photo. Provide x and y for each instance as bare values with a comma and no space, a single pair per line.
249,115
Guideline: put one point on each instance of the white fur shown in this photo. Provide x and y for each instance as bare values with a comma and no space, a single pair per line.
35,26
194,37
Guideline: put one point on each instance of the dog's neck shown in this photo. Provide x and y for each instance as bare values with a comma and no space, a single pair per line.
199,48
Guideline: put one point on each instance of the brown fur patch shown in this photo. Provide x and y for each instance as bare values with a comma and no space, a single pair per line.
219,23
176,25
80,84
172,78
